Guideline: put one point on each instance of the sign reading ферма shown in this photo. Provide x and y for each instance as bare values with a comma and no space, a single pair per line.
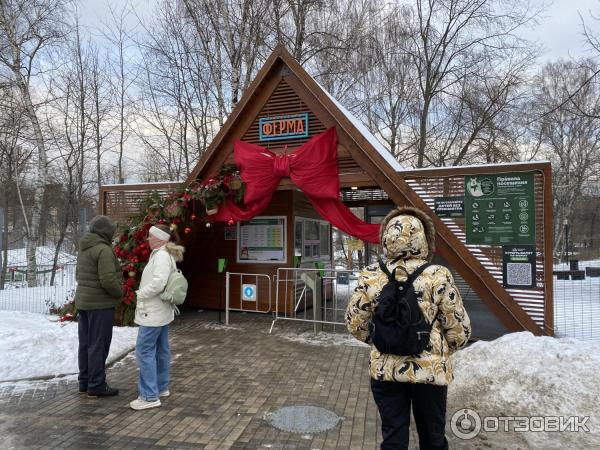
293,126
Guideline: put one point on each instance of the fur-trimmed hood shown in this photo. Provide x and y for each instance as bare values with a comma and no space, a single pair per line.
406,233
176,251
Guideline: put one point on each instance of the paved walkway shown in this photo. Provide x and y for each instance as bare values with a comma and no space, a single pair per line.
225,381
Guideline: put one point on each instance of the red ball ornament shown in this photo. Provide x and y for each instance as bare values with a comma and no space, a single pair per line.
187,230
193,217
230,222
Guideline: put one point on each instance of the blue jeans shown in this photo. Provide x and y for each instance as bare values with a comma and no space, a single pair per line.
154,360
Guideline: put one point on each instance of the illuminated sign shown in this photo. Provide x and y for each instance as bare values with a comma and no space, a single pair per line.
294,126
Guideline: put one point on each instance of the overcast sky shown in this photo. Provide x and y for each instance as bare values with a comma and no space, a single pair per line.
559,30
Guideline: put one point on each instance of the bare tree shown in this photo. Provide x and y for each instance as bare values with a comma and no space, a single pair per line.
570,139
119,35
13,158
74,122
27,27
232,34
174,95
452,42
385,78
100,112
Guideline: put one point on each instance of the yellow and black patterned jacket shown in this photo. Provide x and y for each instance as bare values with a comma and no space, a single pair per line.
408,238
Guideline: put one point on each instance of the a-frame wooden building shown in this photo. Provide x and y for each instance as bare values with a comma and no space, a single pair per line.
371,178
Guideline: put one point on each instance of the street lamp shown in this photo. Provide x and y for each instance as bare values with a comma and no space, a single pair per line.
566,224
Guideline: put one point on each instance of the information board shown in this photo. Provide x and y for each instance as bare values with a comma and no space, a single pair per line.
449,206
500,208
518,266
262,240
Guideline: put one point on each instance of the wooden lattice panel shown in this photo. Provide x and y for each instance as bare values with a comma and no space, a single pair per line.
285,101
490,256
122,202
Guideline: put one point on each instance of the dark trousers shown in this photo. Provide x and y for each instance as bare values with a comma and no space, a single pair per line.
429,409
95,334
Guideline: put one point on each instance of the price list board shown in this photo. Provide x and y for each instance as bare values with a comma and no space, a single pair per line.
500,208
262,239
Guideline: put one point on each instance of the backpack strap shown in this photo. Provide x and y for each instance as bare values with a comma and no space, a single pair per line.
411,279
174,268
391,276
418,271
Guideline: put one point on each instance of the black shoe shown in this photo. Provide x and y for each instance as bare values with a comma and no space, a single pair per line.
105,391
82,390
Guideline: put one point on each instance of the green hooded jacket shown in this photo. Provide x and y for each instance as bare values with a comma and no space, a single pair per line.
98,271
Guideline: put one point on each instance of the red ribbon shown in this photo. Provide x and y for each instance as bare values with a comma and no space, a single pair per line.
312,167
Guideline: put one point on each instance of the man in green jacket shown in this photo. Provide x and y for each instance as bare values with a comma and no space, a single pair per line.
98,291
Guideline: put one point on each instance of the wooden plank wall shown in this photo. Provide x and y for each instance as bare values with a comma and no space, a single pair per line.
204,246
121,202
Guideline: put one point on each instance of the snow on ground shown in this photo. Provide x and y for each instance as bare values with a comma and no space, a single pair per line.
36,345
520,374
44,256
323,338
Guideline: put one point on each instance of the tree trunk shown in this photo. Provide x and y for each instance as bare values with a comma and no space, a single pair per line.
61,238
39,182
4,246
423,133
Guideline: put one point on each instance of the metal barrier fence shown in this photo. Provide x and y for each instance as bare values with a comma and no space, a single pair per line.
317,296
577,300
17,296
320,296
261,281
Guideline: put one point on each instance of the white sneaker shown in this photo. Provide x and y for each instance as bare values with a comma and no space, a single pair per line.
140,403
165,393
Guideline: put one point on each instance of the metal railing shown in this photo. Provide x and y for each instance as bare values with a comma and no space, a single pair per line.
17,296
246,279
317,296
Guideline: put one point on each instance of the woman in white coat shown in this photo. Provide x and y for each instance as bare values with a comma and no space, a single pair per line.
153,317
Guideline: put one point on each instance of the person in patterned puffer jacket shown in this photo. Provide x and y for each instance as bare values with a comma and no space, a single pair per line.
408,241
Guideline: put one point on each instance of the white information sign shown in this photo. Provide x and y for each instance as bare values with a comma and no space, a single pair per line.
249,292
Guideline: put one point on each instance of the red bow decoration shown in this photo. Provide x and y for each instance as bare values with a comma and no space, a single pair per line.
312,167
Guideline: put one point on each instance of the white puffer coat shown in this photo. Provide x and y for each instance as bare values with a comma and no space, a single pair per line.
150,310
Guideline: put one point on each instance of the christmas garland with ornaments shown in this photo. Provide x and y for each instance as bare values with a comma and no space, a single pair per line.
181,212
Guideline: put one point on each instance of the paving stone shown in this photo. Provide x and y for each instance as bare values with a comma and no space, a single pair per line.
224,382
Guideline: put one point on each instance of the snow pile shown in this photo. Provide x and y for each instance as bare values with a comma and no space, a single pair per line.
520,374
35,345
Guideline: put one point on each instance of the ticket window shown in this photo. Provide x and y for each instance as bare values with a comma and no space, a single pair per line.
312,239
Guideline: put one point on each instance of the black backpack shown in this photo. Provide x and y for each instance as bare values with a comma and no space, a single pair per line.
398,326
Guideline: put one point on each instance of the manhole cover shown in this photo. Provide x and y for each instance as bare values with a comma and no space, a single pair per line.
303,419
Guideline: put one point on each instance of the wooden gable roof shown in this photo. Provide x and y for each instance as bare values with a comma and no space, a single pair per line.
282,84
